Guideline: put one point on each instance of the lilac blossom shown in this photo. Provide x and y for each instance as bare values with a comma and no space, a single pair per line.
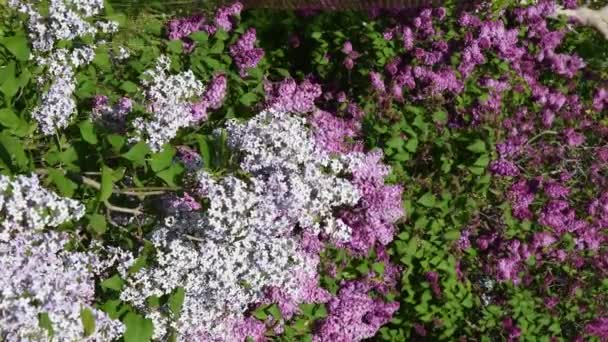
244,53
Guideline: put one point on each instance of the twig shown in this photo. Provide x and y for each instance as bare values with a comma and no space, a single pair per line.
193,238
133,211
534,138
139,192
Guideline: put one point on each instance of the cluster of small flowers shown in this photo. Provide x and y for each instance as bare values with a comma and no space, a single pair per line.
112,117
66,20
170,102
213,98
246,248
26,205
288,96
181,28
244,53
351,55
38,275
277,149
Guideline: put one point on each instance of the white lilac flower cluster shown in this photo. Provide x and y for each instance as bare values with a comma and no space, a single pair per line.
298,179
249,237
66,20
170,103
38,276
26,206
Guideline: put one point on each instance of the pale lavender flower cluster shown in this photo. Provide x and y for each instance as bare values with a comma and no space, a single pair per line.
26,206
66,20
244,53
246,243
38,275
170,102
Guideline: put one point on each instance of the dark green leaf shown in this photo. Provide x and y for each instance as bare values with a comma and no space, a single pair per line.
176,300
12,152
65,185
248,99
106,183
162,160
97,223
139,329
113,283
477,147
137,154
18,46
427,200
88,321
88,132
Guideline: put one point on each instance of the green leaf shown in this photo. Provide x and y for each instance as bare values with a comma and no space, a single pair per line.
8,118
88,321
8,81
18,46
137,154
427,200
88,132
64,184
260,313
12,152
111,308
248,99
482,161
175,46
106,183
274,311
395,142
176,300
162,160
102,60
412,144
44,321
170,174
440,117
214,64
217,48
451,235
129,87
220,34
117,141
199,37
97,223
378,267
139,329
113,283
477,147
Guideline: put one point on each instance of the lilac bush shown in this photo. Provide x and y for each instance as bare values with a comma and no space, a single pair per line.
238,174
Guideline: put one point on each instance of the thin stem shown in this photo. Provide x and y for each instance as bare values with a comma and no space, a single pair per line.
133,211
139,192
534,138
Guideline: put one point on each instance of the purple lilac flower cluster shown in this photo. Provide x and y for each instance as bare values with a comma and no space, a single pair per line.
548,152
244,53
181,28
113,117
